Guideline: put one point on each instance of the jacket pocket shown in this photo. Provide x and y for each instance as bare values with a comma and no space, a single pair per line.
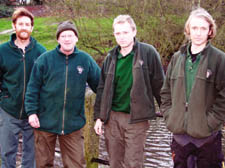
213,123
4,98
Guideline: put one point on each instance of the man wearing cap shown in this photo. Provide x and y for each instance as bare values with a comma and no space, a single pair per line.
55,96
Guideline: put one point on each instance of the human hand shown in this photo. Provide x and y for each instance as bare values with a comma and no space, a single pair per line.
98,127
34,121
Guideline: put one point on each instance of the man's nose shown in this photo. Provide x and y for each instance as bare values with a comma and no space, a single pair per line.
198,32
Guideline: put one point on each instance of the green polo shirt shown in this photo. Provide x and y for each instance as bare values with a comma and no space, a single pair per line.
190,70
123,82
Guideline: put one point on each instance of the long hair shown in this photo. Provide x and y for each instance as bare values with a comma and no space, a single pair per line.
201,13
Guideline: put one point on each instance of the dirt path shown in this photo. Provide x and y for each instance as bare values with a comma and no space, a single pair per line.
9,31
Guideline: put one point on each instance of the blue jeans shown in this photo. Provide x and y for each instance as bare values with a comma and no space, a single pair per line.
10,128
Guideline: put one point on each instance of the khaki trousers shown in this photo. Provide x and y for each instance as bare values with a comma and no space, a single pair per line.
71,146
125,142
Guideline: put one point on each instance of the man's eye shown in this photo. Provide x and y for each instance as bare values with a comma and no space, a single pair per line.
204,28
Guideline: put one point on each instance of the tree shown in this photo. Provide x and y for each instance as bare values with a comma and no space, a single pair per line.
159,22
5,11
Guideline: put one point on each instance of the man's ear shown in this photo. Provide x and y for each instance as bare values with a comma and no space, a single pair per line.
210,32
135,32
76,39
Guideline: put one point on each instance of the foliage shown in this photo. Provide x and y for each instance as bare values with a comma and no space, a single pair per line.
95,31
44,31
159,22
2,1
5,11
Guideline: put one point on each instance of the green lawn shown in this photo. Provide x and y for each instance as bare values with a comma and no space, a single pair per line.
45,33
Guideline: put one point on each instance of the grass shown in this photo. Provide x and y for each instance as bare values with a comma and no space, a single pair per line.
98,32
5,24
45,32
96,36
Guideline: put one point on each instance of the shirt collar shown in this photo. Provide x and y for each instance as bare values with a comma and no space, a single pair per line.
119,56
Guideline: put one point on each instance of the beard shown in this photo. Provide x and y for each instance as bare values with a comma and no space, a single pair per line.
23,34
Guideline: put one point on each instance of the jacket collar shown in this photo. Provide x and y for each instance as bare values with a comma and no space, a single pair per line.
115,50
184,48
13,38
75,51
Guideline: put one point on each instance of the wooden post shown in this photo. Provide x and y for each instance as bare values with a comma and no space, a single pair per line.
91,140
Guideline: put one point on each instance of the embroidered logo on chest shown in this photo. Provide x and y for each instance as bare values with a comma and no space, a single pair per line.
141,62
80,69
208,73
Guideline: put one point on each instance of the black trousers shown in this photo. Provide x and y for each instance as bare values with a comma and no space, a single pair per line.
209,155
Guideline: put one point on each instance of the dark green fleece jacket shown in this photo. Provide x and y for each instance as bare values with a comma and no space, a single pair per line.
56,90
15,69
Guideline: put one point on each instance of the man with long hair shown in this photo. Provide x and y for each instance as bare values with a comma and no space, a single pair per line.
193,95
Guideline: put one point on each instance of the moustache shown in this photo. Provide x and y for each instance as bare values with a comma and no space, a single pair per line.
21,31
19,34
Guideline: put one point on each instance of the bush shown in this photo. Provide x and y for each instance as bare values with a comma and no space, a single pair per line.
5,11
160,23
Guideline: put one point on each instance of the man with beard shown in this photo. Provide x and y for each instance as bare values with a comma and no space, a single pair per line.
16,61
